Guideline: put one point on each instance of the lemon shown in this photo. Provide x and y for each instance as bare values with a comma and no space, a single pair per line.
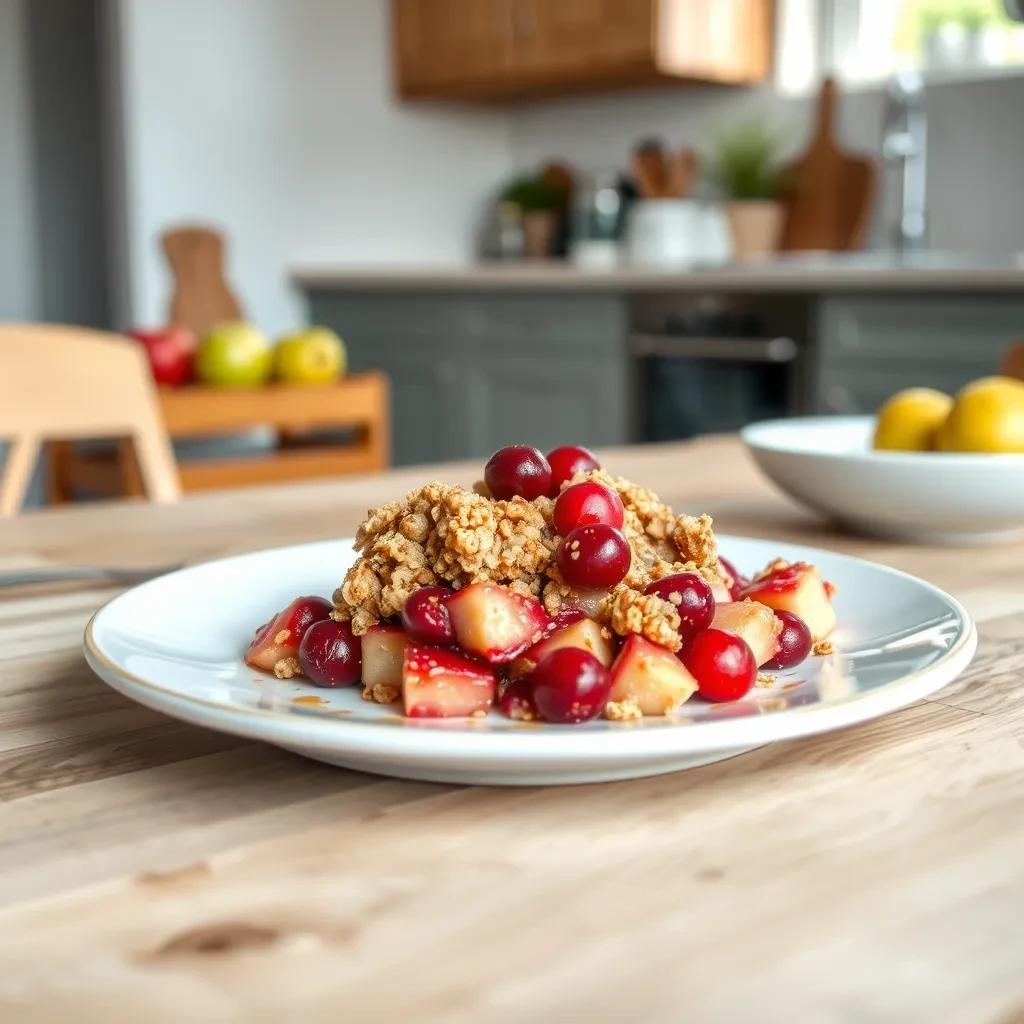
909,420
987,416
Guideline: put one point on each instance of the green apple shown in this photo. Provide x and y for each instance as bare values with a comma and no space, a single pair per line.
235,355
315,355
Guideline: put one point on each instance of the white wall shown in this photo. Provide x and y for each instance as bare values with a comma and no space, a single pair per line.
975,153
275,120
17,199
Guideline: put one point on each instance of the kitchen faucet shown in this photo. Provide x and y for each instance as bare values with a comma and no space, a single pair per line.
904,144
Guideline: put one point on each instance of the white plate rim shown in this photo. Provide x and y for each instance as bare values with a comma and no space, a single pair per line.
415,738
758,436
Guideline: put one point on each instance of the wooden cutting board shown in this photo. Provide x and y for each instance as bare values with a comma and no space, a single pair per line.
832,190
202,297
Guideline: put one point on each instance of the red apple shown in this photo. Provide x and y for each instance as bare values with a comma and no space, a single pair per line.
495,623
438,682
795,588
651,675
280,637
586,634
171,352
383,654
753,622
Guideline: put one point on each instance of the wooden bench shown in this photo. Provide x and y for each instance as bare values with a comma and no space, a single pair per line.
358,403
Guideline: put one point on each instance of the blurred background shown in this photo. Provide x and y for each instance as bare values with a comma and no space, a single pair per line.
548,221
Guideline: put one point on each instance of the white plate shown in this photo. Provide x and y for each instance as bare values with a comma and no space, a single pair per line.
175,644
826,462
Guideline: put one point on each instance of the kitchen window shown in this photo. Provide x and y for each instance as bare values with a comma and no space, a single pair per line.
863,42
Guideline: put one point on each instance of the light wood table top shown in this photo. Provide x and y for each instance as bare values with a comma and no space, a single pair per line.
150,870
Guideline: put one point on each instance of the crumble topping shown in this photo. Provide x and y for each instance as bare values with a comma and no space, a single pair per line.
765,679
822,648
623,710
444,534
287,668
381,693
695,540
629,611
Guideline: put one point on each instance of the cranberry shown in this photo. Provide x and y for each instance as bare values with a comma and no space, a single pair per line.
330,655
692,598
516,701
517,470
587,503
570,685
425,616
567,461
593,557
739,581
794,642
722,664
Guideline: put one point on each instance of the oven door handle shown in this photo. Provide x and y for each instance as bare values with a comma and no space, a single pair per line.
733,350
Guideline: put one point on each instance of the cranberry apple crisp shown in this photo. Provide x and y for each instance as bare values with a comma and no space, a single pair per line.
552,590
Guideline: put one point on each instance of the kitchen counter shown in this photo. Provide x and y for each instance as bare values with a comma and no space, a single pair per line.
842,273
546,351
152,870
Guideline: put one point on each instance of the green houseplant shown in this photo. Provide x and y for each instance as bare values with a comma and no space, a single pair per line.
749,172
539,204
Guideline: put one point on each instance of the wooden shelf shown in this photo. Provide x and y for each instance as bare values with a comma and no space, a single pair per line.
358,403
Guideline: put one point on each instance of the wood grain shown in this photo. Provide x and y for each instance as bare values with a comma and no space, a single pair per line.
151,870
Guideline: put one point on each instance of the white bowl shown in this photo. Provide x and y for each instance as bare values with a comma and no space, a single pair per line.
827,463
176,644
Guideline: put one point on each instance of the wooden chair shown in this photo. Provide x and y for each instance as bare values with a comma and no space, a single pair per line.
68,383
202,297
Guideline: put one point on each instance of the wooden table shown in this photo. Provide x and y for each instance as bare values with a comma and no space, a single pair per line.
154,871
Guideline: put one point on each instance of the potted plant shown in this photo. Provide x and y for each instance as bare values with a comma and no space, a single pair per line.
750,174
539,203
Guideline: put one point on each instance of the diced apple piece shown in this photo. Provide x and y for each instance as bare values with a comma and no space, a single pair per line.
720,591
796,588
438,682
585,634
589,601
383,655
280,637
753,622
496,623
653,676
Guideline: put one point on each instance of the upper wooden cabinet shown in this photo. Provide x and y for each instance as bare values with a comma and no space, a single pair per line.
509,49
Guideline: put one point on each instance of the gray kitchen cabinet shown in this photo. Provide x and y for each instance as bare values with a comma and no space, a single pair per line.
473,372
867,348
547,402
429,418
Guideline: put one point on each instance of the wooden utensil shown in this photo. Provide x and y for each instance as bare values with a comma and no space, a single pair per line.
832,189
682,172
650,170
1013,361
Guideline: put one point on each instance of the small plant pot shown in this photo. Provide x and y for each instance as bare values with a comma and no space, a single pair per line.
539,227
756,227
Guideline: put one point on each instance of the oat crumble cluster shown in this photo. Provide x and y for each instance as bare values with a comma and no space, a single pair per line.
447,535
